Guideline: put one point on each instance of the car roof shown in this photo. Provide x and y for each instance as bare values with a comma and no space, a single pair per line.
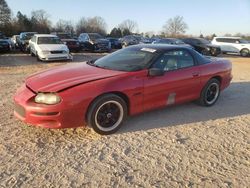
158,47
45,35
228,37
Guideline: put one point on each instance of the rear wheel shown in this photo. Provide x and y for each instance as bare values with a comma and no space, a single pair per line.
244,52
107,113
210,93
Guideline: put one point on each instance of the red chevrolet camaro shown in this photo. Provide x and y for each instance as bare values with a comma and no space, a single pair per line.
102,93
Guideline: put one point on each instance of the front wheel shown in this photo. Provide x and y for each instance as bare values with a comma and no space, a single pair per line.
210,93
32,54
107,113
37,57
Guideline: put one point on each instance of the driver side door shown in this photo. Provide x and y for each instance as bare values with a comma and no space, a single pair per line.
180,82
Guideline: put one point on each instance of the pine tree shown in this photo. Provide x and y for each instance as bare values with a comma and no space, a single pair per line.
5,13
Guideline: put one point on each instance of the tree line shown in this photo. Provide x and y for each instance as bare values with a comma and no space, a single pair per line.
39,21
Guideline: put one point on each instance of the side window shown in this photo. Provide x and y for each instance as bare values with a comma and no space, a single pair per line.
173,60
220,40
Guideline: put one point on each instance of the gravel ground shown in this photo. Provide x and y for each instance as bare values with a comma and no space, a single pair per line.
180,146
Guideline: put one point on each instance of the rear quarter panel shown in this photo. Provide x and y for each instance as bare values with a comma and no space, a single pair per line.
219,67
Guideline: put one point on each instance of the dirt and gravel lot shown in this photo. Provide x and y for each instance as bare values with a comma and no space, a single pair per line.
180,146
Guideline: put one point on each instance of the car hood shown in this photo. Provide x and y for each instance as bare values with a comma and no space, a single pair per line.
63,77
52,47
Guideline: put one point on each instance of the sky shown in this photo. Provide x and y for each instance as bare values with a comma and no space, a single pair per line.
202,16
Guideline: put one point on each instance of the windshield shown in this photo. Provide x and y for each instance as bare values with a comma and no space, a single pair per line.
27,36
127,59
64,36
94,36
49,40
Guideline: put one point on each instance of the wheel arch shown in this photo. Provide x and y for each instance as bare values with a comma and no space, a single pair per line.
245,49
219,78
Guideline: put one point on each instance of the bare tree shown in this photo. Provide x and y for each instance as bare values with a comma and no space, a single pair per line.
5,16
175,26
92,25
64,26
40,21
5,12
128,25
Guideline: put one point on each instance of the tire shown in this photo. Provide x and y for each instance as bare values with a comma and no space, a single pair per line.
244,52
106,114
210,93
37,57
32,54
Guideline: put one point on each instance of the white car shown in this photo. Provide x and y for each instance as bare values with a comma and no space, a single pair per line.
233,45
48,48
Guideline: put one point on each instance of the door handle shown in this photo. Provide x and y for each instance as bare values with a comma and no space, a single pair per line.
195,74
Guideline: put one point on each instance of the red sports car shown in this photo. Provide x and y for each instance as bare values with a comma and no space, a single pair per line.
103,92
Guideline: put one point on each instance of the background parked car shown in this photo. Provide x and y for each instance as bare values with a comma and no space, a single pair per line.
172,41
24,40
146,40
129,40
203,46
72,43
16,40
114,42
94,42
48,48
4,46
233,45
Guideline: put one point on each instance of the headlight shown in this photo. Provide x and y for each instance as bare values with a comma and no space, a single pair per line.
91,42
208,49
45,52
65,52
47,98
77,43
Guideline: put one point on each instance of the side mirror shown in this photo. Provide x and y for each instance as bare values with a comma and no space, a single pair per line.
155,72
